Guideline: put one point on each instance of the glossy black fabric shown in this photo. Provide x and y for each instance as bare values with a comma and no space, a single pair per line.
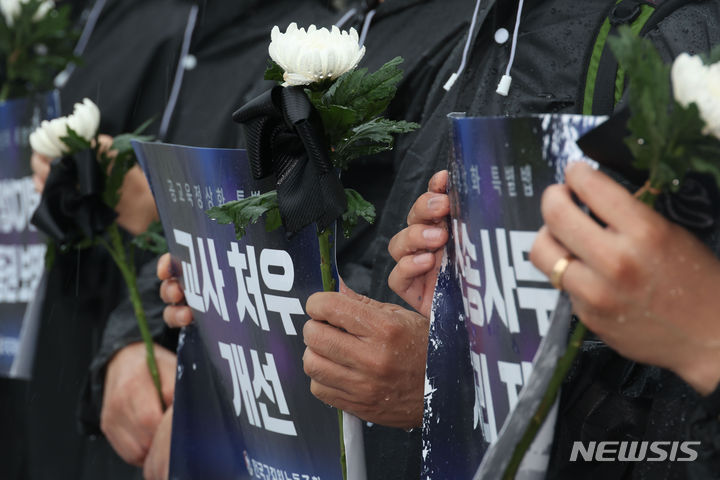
555,41
696,202
704,425
71,207
285,139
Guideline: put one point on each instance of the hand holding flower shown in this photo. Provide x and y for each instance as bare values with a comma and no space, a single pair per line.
77,205
40,165
644,285
366,357
131,410
136,208
157,462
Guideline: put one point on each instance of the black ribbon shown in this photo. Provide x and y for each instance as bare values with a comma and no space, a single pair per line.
695,205
71,207
285,137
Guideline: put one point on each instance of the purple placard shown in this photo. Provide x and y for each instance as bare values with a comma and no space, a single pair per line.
22,247
504,305
243,406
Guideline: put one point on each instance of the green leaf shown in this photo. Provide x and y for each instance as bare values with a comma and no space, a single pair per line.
357,208
35,50
649,98
242,213
274,72
74,141
84,243
120,161
152,239
370,137
50,254
122,143
701,164
713,56
115,177
367,95
337,120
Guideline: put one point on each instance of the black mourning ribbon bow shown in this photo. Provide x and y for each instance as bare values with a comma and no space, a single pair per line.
285,137
696,203
71,207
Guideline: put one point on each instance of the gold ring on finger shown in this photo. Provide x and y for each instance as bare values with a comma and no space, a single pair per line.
558,271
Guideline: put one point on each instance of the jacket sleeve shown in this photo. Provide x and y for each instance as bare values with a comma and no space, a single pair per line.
695,29
120,331
704,428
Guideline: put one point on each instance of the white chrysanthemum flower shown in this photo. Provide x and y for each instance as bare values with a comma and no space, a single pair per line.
45,141
10,9
85,119
695,82
315,55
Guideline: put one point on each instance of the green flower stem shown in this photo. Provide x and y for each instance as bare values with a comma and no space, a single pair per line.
5,92
117,251
329,286
9,74
547,401
325,261
646,194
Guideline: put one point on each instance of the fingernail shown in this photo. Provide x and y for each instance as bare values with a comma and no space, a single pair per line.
432,234
423,258
435,202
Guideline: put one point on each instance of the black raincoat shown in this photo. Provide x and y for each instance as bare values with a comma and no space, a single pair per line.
606,397
554,44
84,286
239,55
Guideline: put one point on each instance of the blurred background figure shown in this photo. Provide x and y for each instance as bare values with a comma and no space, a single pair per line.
83,286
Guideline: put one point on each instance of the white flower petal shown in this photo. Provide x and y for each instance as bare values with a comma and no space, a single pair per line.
315,55
694,82
43,9
296,79
85,119
41,144
10,10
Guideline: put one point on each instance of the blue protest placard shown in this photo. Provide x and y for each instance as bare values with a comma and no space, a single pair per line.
491,304
243,406
22,247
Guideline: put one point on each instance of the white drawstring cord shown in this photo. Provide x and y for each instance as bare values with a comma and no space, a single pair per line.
451,81
503,87
177,83
343,20
366,26
62,78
